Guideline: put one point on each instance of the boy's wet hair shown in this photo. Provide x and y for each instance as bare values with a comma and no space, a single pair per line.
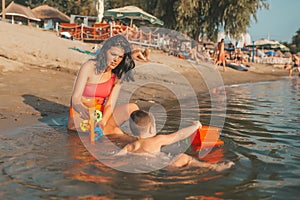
140,121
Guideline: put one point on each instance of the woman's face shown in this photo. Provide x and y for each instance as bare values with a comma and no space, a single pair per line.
114,57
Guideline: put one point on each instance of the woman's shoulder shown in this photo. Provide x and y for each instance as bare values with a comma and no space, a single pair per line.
133,51
90,62
89,65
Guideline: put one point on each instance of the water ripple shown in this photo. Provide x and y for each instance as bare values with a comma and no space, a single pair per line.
261,135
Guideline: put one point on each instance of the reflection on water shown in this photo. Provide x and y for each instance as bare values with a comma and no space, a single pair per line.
261,135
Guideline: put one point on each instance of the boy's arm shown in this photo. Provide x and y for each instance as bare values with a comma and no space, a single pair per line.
122,152
126,149
179,135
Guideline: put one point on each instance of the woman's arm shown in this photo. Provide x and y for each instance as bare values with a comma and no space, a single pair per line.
79,86
110,103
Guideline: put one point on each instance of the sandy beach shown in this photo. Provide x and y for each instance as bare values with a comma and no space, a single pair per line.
38,70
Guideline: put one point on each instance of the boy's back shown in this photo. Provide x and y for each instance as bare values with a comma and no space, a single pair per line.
154,143
142,125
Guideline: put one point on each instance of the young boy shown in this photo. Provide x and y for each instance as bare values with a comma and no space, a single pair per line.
142,125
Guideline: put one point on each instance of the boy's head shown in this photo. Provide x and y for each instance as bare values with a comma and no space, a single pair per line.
142,124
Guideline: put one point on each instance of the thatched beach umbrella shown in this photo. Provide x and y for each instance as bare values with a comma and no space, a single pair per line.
269,44
282,48
266,44
46,12
16,11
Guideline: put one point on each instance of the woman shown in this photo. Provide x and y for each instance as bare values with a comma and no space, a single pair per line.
101,79
140,55
221,55
295,65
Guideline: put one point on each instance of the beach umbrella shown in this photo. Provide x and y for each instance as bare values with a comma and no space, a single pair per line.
14,10
241,40
282,48
45,12
132,12
266,44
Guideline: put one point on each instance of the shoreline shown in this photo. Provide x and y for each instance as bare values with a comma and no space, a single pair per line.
37,76
25,106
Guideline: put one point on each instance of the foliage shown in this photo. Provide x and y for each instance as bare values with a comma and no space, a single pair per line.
78,7
211,16
165,10
296,42
162,9
194,16
294,46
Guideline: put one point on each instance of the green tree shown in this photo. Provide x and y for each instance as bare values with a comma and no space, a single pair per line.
162,9
166,10
194,16
77,7
211,16
188,16
296,41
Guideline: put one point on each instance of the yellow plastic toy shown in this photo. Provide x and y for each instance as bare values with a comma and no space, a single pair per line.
95,114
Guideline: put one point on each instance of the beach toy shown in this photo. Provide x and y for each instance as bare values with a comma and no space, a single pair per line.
98,115
85,125
95,115
206,137
99,133
214,156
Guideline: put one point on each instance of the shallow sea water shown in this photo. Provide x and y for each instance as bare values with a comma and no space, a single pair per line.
261,134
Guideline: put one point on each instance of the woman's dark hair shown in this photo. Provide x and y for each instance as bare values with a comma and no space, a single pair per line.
124,69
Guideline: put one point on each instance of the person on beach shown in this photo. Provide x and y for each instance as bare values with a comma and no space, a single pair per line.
196,52
139,54
101,79
295,65
134,33
221,54
239,57
142,125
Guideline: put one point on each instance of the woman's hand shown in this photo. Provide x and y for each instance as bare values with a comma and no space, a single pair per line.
197,123
84,113
101,124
